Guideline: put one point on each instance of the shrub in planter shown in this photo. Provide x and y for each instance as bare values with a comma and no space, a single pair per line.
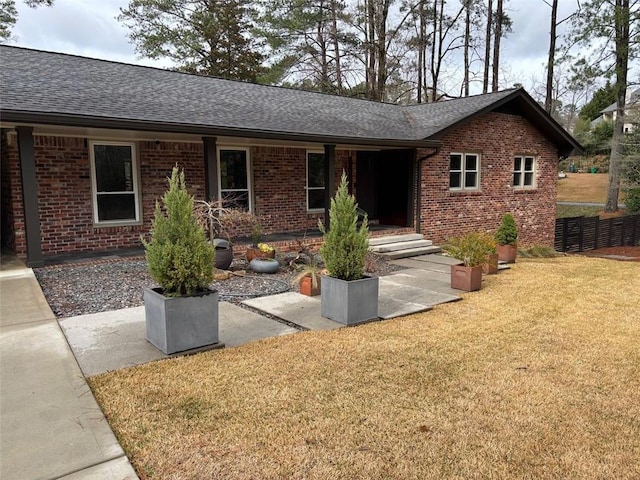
472,250
183,313
347,295
506,237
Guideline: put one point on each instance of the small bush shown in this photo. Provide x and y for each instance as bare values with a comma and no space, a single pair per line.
473,249
507,233
538,251
180,258
632,200
345,245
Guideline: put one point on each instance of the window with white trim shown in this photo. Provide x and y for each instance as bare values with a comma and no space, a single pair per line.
114,182
235,186
464,171
524,171
315,181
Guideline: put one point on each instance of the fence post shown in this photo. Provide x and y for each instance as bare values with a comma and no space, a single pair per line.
597,234
564,233
610,231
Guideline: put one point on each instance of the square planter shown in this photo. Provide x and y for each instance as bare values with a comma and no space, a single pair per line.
491,267
507,253
349,302
177,324
464,278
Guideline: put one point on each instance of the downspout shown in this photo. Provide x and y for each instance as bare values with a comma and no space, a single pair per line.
418,208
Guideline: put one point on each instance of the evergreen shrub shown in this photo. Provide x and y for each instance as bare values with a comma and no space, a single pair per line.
345,245
507,233
179,257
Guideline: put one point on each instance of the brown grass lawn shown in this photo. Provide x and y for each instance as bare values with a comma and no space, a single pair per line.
583,187
535,376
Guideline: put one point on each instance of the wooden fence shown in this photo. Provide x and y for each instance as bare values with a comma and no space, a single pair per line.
578,234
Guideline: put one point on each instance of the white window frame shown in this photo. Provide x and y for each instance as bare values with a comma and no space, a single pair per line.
522,172
463,171
249,188
307,187
94,184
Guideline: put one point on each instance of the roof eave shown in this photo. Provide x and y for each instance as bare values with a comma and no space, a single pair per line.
61,119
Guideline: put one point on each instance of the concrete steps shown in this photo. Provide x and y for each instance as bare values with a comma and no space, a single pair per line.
402,246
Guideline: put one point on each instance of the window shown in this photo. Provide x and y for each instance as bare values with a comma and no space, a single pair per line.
114,180
523,172
315,181
234,178
464,171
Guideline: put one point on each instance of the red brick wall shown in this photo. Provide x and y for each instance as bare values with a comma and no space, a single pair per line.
497,138
279,180
64,191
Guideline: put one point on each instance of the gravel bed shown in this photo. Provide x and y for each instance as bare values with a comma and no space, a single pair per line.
101,285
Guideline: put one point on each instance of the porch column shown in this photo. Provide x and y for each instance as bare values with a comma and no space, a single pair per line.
329,179
30,196
210,167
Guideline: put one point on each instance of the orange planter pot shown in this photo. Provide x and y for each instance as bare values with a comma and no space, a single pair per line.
464,278
306,287
507,253
491,266
254,252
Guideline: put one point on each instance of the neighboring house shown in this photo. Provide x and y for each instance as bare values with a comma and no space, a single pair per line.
87,145
609,114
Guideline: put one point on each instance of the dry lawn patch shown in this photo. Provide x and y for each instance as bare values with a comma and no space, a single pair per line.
583,187
535,376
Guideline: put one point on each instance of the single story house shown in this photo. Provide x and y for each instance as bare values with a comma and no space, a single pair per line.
87,145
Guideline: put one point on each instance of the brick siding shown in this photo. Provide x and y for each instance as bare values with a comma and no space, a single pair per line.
497,138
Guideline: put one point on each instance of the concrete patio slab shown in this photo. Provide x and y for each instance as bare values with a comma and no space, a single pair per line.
117,339
442,259
423,265
425,280
409,294
21,300
295,308
120,469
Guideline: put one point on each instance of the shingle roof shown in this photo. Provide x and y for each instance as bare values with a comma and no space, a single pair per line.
37,85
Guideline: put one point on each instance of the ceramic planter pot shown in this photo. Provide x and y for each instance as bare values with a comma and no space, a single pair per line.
464,278
491,267
507,253
349,302
306,286
255,252
264,265
178,324
224,253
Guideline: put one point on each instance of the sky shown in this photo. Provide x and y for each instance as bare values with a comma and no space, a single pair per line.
89,28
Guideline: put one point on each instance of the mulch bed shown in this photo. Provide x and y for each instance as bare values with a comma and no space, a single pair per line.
632,254
100,285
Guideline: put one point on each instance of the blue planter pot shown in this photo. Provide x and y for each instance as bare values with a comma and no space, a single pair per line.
264,265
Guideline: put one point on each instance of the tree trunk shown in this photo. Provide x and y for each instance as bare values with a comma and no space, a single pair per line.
467,39
548,102
622,24
487,47
422,50
336,44
371,49
382,13
496,47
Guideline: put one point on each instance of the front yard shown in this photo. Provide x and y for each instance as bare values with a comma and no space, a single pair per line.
535,376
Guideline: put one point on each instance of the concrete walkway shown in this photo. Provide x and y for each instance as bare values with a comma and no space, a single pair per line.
51,426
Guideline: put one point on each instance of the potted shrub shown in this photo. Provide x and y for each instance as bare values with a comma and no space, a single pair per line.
472,250
182,314
258,249
308,277
490,267
347,295
506,237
